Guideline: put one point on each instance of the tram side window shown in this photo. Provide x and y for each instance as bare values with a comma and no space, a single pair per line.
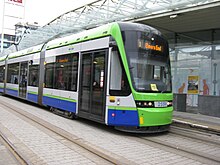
2,73
12,76
74,73
119,85
33,75
66,72
49,75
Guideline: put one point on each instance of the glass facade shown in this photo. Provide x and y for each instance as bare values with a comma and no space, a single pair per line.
195,70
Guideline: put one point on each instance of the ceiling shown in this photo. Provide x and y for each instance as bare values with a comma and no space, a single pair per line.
181,21
196,24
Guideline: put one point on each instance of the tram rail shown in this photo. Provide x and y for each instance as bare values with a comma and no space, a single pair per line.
107,156
19,157
203,146
204,135
180,141
193,126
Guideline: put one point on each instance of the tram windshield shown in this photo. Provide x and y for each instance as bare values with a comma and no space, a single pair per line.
149,63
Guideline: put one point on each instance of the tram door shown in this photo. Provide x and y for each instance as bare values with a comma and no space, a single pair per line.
92,86
23,79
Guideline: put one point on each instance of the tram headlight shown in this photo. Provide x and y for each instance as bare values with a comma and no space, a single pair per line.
150,104
145,104
138,103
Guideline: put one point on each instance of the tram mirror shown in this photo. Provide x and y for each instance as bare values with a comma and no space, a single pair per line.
31,62
165,72
113,44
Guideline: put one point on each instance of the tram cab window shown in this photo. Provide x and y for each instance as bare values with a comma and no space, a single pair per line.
33,75
2,73
13,70
119,85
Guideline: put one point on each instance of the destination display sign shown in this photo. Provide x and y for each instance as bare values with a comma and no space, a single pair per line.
149,45
153,47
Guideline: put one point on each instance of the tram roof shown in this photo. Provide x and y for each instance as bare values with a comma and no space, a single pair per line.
26,51
3,58
101,12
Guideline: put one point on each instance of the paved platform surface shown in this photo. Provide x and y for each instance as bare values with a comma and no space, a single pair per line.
44,149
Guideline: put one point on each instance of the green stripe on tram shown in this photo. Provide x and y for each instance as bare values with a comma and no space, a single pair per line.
32,92
122,108
15,89
58,97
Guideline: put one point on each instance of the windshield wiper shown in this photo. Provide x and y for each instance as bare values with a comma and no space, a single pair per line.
164,90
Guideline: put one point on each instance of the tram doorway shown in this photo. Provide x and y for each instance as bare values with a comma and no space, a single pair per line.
23,79
93,86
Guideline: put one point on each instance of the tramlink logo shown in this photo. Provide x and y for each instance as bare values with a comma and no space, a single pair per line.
153,47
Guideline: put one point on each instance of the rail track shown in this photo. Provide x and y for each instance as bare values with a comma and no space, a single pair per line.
202,146
106,157
13,151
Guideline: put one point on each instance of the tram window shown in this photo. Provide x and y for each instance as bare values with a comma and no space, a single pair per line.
66,71
74,73
49,75
33,75
118,80
12,76
2,73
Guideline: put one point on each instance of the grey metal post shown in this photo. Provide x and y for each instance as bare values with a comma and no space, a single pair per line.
214,81
6,73
176,57
2,36
214,65
41,75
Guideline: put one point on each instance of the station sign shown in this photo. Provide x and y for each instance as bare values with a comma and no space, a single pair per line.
15,1
14,9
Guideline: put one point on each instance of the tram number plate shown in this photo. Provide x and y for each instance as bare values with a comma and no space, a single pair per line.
160,103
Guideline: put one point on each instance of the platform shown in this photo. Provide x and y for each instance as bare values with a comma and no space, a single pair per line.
43,147
195,119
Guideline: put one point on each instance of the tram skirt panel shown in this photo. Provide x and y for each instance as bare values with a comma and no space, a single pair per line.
60,104
123,117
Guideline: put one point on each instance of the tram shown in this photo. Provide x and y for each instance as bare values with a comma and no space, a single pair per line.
117,74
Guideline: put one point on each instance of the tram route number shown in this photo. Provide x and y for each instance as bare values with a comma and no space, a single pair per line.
160,103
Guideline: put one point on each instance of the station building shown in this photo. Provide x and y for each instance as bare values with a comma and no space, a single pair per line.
192,28
194,39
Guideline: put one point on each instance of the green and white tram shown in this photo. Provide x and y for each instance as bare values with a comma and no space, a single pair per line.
117,74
